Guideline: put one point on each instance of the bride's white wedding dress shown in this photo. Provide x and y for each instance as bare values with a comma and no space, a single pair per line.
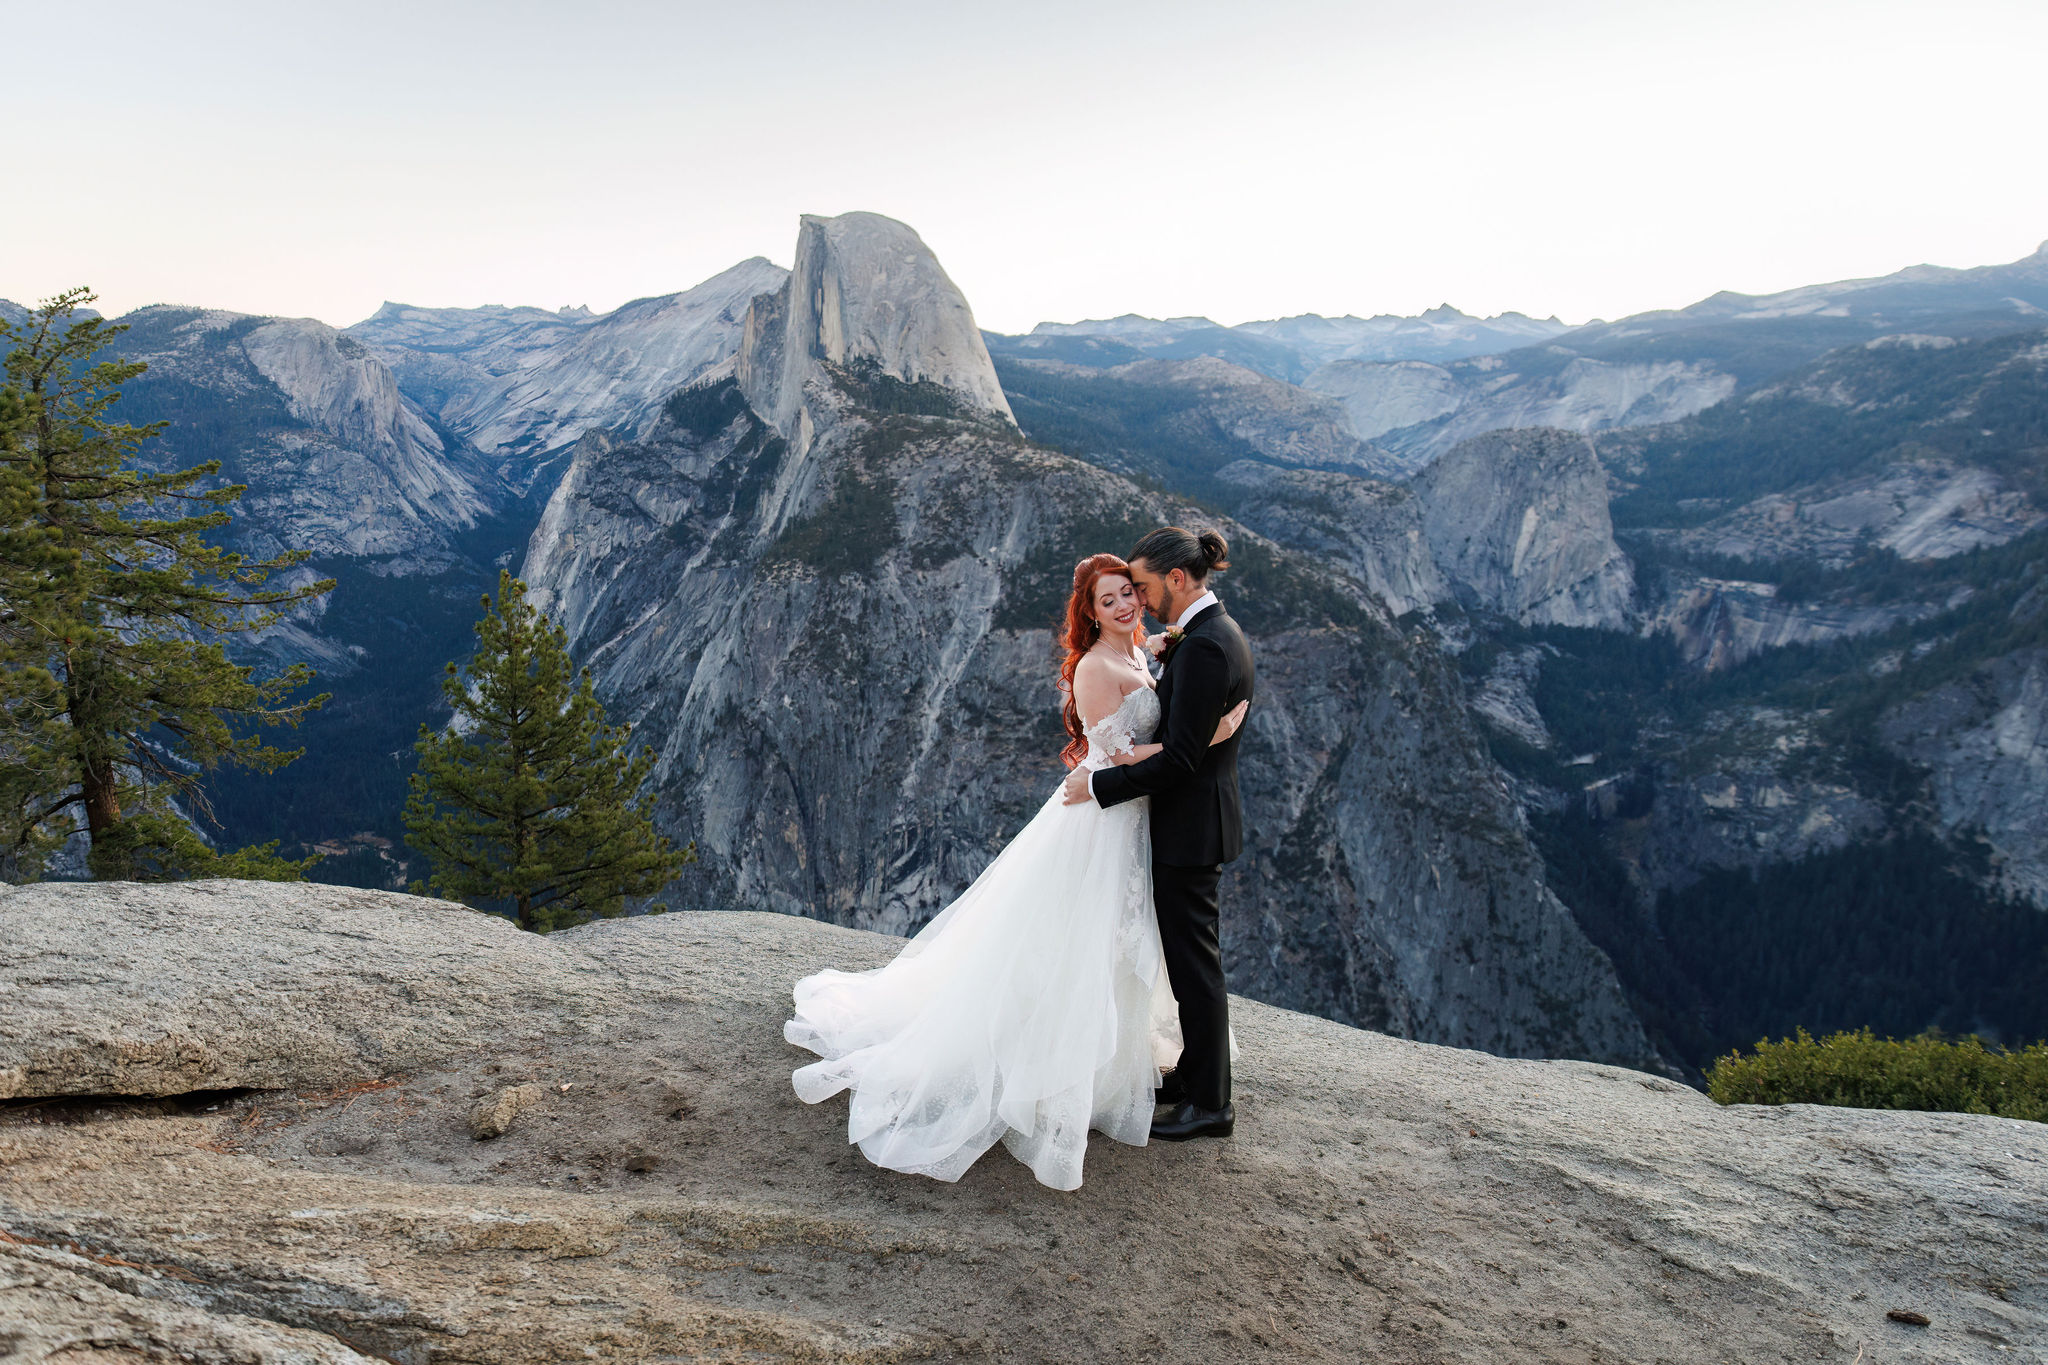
1033,1008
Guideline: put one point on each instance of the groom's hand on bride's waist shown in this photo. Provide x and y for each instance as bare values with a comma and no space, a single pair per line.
1077,790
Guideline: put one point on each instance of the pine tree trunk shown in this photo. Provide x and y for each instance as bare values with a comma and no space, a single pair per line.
97,777
522,839
102,799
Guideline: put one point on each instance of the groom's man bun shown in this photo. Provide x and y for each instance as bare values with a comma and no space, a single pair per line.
1170,548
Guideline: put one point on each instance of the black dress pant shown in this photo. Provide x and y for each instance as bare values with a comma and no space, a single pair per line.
1185,898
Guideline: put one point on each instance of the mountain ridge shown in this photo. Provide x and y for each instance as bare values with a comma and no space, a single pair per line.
522,383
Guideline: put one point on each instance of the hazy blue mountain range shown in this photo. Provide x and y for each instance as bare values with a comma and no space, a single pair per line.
1733,610
1663,366
1418,386
1284,348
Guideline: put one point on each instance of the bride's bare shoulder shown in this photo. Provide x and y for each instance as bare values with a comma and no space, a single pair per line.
1091,666
1101,670
1096,689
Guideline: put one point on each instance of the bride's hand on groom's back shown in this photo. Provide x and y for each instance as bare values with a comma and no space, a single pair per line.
1225,728
1232,719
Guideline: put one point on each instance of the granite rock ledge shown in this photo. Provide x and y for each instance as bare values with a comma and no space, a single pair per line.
320,1197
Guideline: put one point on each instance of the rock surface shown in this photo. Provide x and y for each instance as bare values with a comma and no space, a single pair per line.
1370,527
1665,365
1518,522
1381,1199
1985,741
79,1307
1505,696
1380,397
160,1009
1284,424
1918,509
1868,523
1758,790
1719,622
1418,411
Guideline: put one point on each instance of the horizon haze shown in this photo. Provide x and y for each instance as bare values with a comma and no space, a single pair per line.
1589,161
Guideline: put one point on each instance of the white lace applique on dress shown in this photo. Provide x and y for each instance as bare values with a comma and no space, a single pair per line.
1033,1008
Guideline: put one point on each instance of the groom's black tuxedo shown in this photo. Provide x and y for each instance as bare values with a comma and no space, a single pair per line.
1197,826
1197,819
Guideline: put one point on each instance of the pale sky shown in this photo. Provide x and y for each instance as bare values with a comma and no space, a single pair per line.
1065,160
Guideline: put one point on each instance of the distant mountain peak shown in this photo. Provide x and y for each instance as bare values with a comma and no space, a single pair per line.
1291,348
863,288
1126,326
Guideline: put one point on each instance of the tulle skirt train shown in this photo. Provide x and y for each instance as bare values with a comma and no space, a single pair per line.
1033,1008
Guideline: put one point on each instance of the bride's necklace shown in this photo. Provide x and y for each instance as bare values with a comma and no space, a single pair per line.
1128,659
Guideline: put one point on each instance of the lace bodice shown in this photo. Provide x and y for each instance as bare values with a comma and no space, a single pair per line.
1131,724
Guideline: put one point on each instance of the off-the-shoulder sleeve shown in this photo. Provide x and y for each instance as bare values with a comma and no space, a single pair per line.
1111,735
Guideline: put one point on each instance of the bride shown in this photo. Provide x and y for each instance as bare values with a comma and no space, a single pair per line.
1035,1006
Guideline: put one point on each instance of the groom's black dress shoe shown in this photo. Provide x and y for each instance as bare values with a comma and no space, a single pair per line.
1170,1090
1193,1121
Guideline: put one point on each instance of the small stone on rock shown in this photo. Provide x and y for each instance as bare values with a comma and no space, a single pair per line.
493,1116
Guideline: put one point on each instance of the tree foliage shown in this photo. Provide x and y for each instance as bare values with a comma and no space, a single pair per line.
119,693
1862,1071
527,801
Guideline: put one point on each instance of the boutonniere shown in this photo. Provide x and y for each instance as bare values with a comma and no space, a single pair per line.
1162,644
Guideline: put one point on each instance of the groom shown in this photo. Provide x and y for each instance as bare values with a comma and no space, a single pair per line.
1197,822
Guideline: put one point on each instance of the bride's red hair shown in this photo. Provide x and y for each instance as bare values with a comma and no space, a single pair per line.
1078,635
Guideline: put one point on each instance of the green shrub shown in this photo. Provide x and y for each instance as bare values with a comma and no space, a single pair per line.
1862,1071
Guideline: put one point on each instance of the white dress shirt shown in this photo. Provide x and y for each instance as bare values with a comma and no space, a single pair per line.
1180,622
1200,604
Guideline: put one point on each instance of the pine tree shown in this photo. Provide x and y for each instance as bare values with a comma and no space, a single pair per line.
120,695
527,801
31,701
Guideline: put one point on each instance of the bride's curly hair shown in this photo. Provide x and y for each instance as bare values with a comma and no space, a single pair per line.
1077,636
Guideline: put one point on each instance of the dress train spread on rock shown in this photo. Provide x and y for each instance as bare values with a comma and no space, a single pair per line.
1033,1008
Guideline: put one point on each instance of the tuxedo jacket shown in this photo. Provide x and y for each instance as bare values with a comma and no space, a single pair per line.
1197,818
